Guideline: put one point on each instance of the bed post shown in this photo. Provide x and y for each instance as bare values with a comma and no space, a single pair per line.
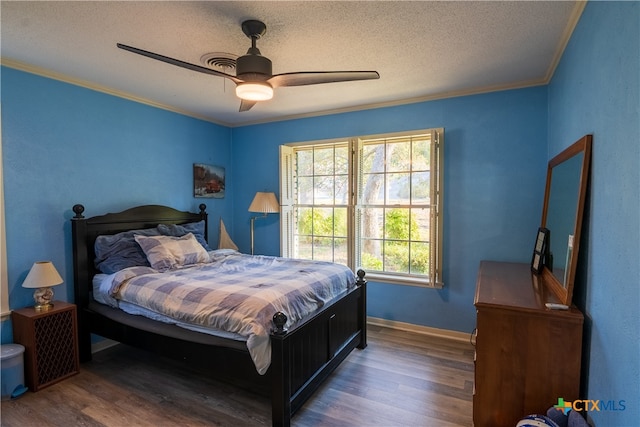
80,277
280,375
204,216
362,308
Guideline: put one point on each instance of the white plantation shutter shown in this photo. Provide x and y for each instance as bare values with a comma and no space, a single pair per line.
435,253
356,186
286,232
287,197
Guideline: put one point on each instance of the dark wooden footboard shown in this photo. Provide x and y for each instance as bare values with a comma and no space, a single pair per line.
304,356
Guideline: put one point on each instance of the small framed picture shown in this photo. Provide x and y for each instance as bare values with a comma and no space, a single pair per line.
540,250
208,181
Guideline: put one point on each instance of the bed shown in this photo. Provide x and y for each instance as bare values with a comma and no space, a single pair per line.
302,354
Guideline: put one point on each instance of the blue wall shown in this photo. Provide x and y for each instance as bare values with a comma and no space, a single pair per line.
495,166
595,90
63,145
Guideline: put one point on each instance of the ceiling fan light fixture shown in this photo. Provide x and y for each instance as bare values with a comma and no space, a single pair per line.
254,91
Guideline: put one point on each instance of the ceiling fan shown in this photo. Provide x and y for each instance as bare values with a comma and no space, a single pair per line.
254,79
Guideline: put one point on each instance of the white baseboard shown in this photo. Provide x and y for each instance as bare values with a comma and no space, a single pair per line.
425,330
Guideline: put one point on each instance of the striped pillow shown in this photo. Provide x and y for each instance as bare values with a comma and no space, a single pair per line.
168,252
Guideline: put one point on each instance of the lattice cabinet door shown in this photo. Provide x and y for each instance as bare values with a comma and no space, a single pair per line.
50,342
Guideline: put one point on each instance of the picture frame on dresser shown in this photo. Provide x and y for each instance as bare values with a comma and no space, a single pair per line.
540,250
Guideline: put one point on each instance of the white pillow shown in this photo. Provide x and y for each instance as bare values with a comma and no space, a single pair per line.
168,252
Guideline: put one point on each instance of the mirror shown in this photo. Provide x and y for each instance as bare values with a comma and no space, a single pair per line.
564,197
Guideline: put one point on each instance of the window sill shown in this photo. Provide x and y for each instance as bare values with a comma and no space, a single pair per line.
402,280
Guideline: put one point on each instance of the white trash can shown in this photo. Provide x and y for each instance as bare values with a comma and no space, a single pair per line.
12,371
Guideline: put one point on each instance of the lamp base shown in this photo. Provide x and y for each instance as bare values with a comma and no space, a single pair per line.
43,307
43,298
253,220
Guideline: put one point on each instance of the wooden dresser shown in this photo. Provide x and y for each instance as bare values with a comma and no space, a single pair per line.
527,356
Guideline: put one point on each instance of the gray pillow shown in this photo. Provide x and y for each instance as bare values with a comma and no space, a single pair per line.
117,251
196,228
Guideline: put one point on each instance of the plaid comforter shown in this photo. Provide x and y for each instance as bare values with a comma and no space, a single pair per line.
236,293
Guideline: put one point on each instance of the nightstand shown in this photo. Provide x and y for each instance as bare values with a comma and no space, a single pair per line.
50,342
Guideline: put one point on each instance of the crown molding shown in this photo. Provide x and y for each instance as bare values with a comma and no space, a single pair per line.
564,40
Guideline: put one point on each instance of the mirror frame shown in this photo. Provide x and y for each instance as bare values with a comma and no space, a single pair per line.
583,145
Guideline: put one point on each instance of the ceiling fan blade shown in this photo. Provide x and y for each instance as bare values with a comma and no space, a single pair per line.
246,105
179,63
319,77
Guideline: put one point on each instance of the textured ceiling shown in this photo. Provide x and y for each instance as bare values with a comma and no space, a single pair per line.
422,49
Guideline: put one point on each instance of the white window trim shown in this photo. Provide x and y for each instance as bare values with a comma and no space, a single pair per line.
287,201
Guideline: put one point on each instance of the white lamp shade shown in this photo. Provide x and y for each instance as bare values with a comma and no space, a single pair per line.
42,274
254,91
264,203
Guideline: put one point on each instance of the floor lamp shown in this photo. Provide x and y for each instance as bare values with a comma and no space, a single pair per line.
265,203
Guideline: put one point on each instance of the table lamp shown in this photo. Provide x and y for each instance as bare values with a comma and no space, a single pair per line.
42,276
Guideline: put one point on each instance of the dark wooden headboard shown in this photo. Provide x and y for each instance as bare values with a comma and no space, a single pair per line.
86,230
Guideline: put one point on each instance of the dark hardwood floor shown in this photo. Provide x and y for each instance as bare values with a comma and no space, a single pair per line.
400,379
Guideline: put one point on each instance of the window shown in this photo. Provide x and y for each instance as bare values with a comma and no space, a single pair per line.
367,202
